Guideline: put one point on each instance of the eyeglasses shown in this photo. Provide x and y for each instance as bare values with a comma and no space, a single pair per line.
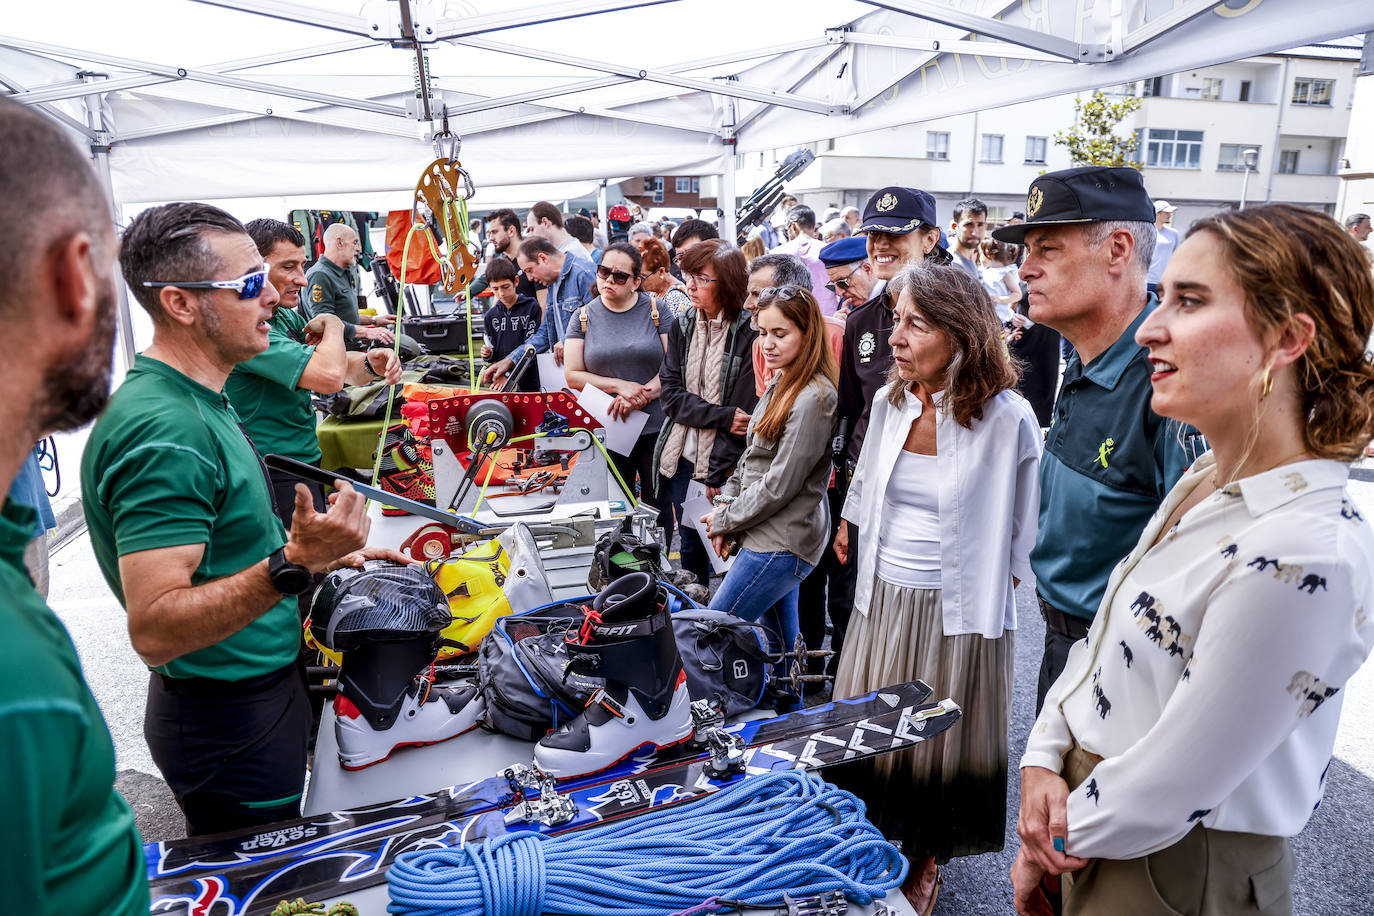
700,279
248,286
842,284
779,292
618,277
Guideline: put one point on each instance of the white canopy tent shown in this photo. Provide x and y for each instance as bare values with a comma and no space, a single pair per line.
325,98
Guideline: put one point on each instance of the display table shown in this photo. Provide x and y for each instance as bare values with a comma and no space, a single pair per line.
348,443
466,758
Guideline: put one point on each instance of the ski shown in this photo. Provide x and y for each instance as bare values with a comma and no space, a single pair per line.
329,854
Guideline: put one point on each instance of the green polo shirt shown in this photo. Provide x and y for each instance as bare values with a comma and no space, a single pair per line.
68,844
1108,462
330,288
266,395
167,465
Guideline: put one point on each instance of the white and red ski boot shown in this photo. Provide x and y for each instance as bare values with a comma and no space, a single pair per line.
428,714
626,638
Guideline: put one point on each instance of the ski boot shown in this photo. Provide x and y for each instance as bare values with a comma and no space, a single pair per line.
383,705
626,638
386,620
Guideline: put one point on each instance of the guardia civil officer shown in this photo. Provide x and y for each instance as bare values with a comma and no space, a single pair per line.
900,228
333,290
1109,459
179,514
68,842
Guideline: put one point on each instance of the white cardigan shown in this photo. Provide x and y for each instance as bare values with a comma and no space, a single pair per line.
989,493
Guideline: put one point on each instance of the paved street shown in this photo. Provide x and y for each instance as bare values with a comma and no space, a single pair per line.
1334,877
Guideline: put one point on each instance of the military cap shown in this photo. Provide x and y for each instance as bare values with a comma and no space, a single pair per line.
1088,194
899,211
844,251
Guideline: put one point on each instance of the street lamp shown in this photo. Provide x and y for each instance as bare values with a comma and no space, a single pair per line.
1251,160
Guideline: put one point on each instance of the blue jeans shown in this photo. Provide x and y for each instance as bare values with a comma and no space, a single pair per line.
763,587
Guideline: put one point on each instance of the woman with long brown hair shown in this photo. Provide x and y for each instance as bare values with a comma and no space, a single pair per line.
774,505
1189,734
708,388
945,498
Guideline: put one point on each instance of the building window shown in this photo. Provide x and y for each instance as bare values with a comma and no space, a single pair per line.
1035,150
696,186
997,215
991,148
658,190
683,186
1173,149
648,186
1288,162
1232,158
937,144
1211,88
1244,91
1152,87
1312,92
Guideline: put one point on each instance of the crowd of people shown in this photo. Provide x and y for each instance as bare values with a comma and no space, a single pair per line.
848,399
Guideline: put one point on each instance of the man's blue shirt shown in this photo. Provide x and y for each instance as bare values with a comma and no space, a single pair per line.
1109,460
575,286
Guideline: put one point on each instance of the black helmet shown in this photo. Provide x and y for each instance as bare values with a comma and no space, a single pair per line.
382,602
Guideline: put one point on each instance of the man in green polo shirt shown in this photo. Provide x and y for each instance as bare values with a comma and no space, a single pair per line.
68,843
1109,459
177,504
333,291
271,391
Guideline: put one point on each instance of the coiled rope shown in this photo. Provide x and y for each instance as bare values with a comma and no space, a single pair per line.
744,845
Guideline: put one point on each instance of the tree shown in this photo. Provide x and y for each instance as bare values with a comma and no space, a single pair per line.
1090,141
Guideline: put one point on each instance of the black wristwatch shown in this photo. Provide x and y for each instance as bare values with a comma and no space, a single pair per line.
287,577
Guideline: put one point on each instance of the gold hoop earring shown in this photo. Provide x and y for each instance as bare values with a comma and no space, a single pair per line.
1266,384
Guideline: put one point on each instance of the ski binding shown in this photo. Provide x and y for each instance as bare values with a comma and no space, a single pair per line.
548,808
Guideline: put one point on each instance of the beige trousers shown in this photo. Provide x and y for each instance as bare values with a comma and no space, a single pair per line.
1207,873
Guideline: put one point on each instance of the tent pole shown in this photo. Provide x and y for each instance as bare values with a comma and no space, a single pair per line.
601,207
725,199
100,151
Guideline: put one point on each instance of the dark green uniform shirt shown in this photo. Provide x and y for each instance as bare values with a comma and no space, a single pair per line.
1109,460
265,394
166,465
68,843
330,288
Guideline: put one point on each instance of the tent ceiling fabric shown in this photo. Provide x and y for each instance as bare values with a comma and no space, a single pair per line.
678,87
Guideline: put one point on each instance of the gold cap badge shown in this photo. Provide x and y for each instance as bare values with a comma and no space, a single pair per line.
886,202
1034,200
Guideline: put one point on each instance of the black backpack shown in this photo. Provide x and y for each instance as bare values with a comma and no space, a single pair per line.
523,678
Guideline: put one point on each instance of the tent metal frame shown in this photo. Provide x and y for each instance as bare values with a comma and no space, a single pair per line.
404,25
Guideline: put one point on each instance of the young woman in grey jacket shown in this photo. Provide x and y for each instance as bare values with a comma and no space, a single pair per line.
774,505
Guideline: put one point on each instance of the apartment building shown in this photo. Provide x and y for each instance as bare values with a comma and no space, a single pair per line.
1193,130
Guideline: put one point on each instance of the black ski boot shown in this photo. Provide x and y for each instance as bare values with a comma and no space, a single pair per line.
626,637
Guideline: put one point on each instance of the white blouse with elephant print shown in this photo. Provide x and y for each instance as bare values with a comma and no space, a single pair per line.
1210,679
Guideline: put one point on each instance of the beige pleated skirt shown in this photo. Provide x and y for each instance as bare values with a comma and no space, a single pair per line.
945,797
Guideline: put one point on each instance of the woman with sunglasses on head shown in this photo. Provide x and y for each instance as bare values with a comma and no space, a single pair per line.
615,343
945,499
657,278
773,507
708,388
1189,734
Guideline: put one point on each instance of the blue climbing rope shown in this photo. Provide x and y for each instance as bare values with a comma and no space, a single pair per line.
744,845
